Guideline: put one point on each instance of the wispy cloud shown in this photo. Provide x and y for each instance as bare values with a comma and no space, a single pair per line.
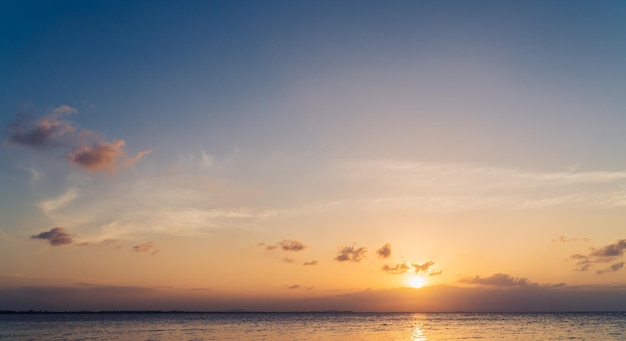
146,247
351,254
499,280
565,239
613,268
294,286
56,236
311,262
472,187
51,205
288,260
384,251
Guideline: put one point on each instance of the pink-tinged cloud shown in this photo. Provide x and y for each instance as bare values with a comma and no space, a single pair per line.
384,251
291,245
498,280
104,156
351,254
43,132
605,254
146,247
311,262
56,236
89,150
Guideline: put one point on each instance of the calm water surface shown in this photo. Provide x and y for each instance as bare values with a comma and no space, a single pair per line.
314,326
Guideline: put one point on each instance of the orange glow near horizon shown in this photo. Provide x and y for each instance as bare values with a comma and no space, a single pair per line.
416,281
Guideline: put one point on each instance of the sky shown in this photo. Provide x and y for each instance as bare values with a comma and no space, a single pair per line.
313,155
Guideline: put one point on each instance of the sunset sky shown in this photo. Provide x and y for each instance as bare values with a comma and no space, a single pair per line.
313,155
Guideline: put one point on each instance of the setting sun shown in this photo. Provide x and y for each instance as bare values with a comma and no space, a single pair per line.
416,281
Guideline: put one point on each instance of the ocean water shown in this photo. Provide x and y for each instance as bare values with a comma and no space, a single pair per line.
314,326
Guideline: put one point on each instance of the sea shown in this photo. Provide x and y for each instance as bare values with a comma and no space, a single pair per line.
176,326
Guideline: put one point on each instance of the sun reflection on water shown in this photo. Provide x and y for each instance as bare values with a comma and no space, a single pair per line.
418,334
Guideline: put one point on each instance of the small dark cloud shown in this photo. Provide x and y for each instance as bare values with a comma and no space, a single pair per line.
288,260
407,267
384,251
271,247
43,132
295,286
291,245
605,254
498,280
311,262
351,254
435,273
398,268
56,236
146,247
613,268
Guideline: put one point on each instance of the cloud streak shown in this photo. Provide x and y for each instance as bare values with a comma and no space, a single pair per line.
56,237
146,247
405,267
499,280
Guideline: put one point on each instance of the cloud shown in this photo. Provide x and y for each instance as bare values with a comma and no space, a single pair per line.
384,251
613,268
271,247
88,149
292,245
498,280
56,236
288,260
54,204
295,286
351,254
106,156
604,254
407,267
43,132
146,247
311,262
611,250
564,239
435,273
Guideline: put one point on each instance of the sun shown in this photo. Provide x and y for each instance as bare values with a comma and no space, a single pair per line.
416,281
